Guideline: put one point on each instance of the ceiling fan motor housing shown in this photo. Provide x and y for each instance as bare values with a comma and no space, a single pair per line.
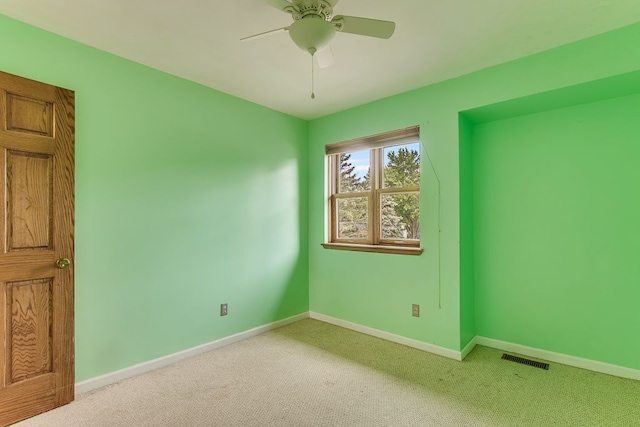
312,33
319,8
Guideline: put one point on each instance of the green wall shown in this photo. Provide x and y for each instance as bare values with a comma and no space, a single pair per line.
377,290
467,254
556,230
185,198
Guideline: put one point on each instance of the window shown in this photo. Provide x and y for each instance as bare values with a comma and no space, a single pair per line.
374,193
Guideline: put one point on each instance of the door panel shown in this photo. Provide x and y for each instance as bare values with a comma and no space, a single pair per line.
36,229
29,115
29,201
29,310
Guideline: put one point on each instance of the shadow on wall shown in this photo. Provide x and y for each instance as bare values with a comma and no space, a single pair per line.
188,227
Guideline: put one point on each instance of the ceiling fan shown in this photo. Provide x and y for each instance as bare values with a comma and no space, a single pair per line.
314,26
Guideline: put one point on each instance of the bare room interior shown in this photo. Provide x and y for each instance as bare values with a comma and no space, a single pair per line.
224,240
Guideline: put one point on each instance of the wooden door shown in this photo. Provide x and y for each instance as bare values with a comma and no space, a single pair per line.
36,236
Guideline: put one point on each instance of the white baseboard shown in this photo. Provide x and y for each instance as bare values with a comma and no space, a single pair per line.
467,349
591,365
141,368
431,348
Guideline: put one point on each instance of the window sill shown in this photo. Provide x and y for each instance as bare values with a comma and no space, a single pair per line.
399,250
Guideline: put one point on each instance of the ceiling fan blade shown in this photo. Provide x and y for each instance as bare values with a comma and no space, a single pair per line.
364,26
325,57
333,2
266,33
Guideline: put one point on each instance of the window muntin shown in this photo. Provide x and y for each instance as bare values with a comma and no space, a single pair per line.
375,192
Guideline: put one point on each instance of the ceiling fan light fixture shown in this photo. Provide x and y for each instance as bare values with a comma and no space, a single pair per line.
312,34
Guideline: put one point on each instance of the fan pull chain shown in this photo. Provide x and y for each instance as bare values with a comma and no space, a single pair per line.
313,95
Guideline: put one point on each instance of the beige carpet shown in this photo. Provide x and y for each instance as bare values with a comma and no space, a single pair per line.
314,374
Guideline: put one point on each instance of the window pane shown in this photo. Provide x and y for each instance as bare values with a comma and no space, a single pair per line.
354,172
353,218
400,216
402,165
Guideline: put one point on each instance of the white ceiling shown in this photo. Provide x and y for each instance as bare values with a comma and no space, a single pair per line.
434,41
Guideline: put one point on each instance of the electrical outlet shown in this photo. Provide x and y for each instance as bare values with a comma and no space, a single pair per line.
415,310
223,309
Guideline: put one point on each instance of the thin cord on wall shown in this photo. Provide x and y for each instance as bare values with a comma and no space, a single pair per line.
439,227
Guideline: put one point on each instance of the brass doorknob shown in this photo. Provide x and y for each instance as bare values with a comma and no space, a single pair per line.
63,263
